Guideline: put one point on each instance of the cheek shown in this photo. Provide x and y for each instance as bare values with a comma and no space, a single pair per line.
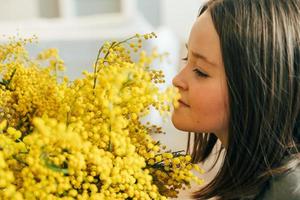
210,108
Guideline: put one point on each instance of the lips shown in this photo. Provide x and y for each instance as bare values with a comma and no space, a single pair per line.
181,102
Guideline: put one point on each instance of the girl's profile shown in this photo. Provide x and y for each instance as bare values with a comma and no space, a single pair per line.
241,84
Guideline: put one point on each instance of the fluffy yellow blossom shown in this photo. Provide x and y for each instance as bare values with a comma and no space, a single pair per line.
83,139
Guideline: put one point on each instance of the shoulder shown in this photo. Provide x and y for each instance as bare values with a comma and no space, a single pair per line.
285,186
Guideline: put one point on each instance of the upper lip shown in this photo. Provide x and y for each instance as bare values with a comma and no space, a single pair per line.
183,102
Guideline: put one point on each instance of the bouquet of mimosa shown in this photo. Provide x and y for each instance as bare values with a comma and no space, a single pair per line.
83,139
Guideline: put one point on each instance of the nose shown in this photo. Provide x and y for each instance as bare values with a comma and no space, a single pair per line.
179,81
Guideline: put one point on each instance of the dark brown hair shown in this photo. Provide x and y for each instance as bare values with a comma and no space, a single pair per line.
260,44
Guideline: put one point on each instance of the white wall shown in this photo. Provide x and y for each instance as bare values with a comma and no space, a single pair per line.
18,9
180,15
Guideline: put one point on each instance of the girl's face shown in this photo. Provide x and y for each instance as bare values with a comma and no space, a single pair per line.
203,106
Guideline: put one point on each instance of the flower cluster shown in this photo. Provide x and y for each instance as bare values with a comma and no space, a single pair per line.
84,139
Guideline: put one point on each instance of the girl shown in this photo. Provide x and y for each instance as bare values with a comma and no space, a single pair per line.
241,85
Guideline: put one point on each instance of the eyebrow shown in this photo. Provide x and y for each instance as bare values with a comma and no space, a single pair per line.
200,56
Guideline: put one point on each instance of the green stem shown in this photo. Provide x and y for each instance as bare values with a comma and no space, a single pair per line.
95,67
19,160
114,44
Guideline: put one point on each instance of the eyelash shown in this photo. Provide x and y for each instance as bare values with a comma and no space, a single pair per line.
197,71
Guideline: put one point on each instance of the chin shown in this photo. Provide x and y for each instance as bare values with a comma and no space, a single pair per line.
179,124
186,125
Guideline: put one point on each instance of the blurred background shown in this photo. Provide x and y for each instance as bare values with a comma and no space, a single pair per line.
77,28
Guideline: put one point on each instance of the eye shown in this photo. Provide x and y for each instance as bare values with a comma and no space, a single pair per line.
200,73
185,58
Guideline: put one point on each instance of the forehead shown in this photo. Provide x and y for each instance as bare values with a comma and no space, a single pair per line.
204,38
